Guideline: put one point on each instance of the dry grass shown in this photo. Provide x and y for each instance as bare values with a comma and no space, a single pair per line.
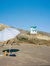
24,38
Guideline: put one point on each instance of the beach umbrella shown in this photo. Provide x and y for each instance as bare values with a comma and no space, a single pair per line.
12,50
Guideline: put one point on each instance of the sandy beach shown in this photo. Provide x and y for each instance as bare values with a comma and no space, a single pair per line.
28,55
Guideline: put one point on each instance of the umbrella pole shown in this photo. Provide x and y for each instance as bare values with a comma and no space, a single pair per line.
9,51
9,48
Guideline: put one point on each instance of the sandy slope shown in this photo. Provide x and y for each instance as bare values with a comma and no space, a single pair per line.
43,37
29,55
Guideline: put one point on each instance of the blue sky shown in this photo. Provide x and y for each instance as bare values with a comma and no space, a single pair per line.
25,13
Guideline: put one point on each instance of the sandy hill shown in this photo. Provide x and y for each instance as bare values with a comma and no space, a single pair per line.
25,37
2,26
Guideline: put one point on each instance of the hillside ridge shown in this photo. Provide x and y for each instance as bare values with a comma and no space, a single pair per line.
26,37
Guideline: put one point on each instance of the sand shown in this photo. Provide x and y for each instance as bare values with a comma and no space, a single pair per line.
28,55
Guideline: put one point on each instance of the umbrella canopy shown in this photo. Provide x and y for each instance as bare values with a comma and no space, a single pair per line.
8,33
11,50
